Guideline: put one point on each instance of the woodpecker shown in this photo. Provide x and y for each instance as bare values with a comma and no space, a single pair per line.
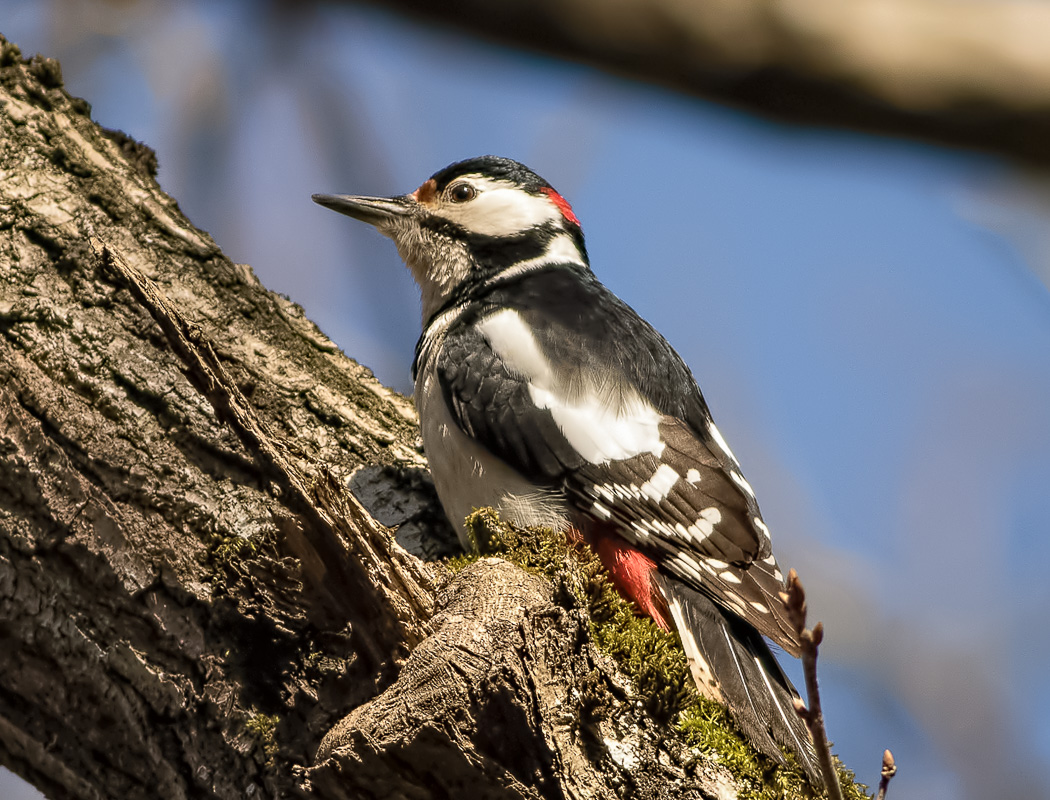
542,394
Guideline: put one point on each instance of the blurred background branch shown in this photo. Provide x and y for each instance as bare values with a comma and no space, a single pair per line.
965,73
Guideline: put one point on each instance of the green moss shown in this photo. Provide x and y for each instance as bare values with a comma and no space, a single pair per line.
707,727
456,563
225,554
263,729
851,790
229,549
651,657
536,550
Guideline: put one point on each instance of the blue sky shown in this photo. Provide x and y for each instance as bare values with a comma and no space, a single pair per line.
876,353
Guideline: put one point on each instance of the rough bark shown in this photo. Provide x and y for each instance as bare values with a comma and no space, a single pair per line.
190,598
507,699
967,73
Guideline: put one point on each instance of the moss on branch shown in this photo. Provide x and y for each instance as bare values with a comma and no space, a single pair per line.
650,657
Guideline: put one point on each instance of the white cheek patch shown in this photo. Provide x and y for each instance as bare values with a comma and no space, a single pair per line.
499,209
602,423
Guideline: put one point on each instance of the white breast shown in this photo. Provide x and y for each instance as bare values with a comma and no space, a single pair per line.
467,476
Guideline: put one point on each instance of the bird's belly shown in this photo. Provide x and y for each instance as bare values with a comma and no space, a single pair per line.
467,476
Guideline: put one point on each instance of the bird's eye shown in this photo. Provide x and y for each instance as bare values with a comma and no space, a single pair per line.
462,193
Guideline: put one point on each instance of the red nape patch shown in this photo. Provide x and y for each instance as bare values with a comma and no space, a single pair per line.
630,571
562,204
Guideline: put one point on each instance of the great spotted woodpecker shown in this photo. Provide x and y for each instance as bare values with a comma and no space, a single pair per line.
542,394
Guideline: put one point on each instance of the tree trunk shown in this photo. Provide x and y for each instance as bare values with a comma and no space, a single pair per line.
190,598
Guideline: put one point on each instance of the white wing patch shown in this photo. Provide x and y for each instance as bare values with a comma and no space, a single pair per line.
599,433
501,208
740,481
511,339
720,441
643,529
660,484
602,423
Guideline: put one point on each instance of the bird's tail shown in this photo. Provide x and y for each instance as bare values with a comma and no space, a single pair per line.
732,664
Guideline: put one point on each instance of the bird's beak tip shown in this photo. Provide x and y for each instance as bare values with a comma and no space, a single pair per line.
373,210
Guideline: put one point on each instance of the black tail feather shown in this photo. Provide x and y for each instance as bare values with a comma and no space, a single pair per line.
733,664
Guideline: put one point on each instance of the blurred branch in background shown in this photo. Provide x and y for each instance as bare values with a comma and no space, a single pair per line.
958,72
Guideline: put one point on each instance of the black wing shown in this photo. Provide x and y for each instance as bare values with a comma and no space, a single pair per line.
567,384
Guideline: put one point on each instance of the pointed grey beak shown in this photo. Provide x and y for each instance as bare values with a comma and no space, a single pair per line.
376,211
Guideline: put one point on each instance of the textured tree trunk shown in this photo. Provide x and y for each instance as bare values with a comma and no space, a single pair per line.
190,598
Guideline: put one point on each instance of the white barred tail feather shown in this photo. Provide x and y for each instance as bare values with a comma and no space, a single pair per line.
732,664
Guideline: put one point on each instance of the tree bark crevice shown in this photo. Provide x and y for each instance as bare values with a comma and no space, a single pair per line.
151,605
507,698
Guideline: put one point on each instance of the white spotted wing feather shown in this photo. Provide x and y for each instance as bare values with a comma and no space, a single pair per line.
538,388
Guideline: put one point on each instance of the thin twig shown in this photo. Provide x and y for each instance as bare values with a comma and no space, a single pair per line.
794,600
889,769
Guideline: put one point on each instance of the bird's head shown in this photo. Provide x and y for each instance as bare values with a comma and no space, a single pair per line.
471,222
